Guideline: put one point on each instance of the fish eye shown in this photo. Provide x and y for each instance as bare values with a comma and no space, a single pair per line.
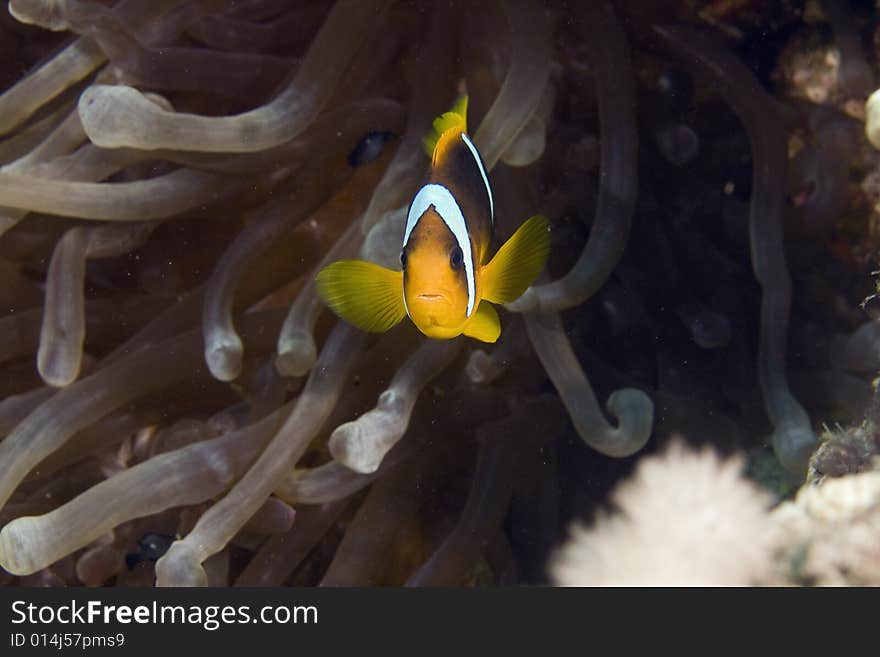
456,258
403,259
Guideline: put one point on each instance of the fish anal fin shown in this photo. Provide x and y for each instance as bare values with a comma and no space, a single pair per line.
364,294
484,325
518,262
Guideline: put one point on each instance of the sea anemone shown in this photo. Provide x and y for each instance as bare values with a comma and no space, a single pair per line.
179,408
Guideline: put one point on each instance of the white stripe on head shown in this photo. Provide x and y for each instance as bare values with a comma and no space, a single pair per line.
446,206
476,155
405,307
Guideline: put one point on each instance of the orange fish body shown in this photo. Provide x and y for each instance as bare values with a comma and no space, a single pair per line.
447,283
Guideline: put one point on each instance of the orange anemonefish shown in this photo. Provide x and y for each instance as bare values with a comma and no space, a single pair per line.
446,286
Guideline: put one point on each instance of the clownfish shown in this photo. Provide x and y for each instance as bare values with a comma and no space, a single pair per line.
448,283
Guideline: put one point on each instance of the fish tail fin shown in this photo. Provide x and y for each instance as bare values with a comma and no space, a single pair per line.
454,118
364,294
518,262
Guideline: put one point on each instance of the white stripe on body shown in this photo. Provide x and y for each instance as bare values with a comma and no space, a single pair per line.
479,162
445,205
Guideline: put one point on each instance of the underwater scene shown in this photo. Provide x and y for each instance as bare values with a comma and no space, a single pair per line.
439,293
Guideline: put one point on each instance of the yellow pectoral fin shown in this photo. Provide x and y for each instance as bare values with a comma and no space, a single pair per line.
518,262
454,118
365,295
484,325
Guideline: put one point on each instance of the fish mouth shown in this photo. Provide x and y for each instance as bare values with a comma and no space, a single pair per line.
429,297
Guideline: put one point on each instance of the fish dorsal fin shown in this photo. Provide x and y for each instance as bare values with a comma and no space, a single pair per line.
456,118
517,263
484,325
365,295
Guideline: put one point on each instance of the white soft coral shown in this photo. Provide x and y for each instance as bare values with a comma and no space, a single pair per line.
685,518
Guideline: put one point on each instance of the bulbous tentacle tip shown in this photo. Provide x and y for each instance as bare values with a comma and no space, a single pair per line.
634,412
710,330
794,447
350,446
180,566
57,366
13,553
225,359
42,14
297,357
